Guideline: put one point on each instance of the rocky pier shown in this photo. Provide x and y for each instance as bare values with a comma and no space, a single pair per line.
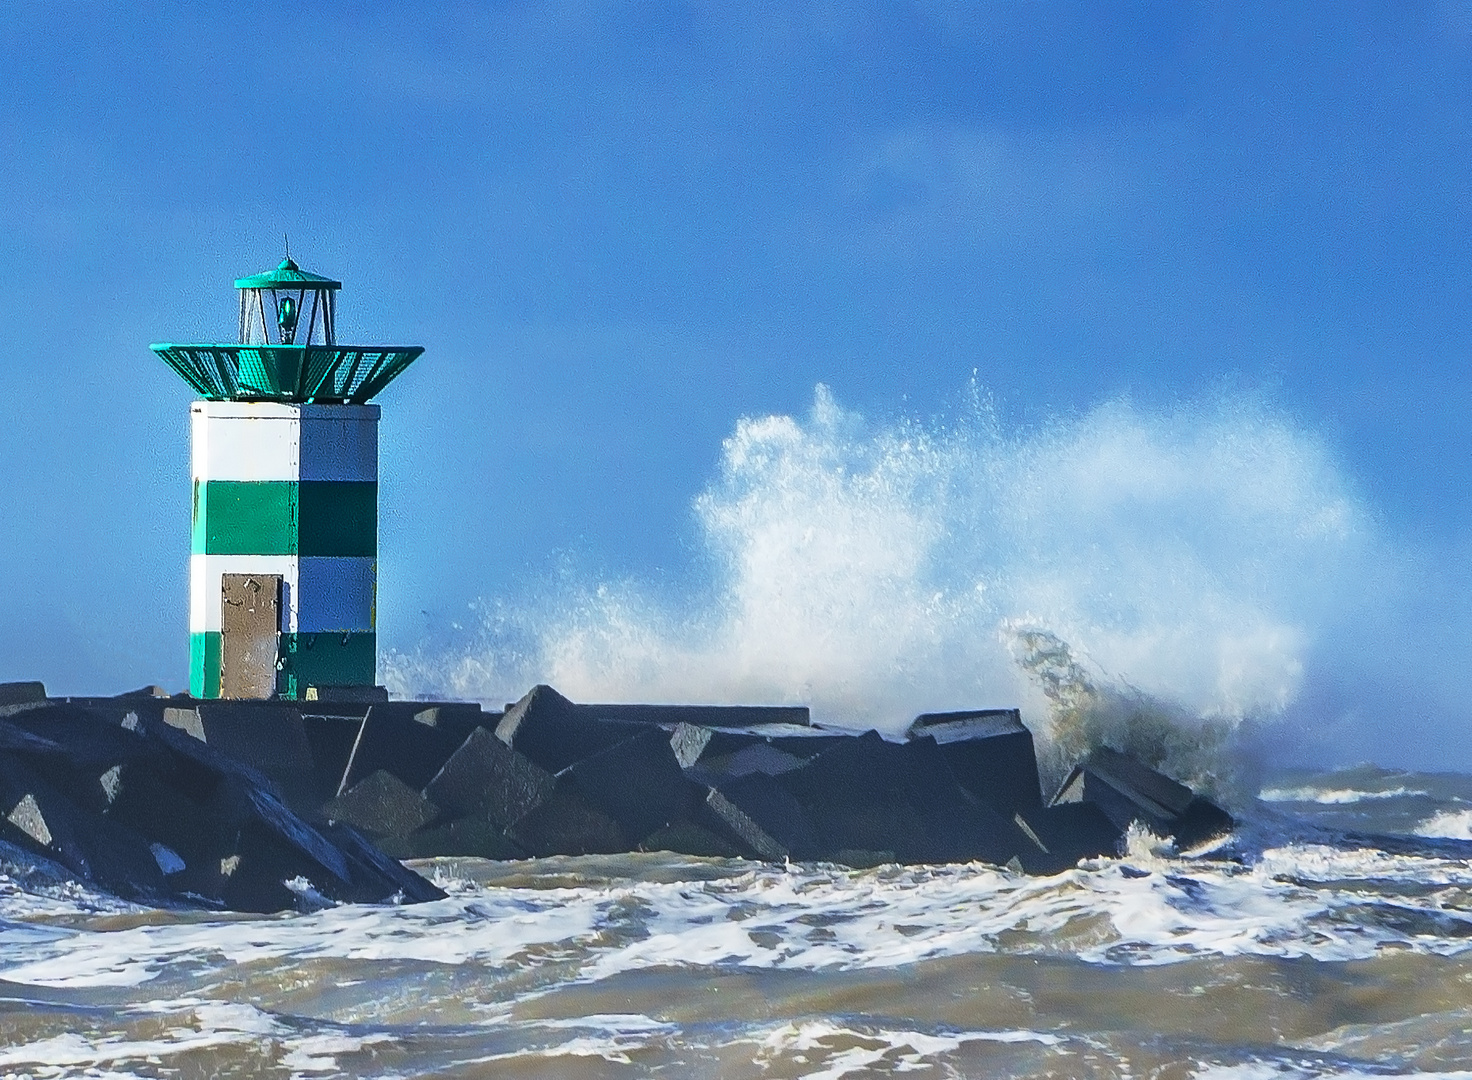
268,805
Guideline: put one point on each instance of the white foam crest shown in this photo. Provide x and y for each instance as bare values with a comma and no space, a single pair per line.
841,1050
610,1036
1336,796
491,930
1321,863
875,571
1144,910
1451,824
188,1026
1262,1070
33,887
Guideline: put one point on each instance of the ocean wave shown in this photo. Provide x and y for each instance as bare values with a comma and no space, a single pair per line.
1337,796
193,1027
1294,900
1452,824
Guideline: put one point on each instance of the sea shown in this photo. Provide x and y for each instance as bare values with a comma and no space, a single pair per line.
1329,936
1201,583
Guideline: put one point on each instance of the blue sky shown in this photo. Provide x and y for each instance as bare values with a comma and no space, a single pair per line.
619,227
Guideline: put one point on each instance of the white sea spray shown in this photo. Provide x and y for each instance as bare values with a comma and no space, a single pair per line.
1143,578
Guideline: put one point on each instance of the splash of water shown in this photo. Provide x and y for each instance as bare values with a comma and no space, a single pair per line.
1125,575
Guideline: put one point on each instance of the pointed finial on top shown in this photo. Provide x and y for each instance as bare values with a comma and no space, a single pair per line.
286,263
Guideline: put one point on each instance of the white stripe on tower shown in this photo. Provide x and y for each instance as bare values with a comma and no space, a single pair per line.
338,442
205,572
244,440
261,440
338,594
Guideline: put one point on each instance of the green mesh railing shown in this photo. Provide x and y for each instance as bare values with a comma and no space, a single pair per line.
292,373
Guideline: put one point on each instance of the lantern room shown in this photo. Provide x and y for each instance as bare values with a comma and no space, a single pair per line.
279,306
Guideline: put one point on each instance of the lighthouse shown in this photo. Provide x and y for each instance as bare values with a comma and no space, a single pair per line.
283,564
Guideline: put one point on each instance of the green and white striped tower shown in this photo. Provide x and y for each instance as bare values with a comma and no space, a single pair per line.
284,556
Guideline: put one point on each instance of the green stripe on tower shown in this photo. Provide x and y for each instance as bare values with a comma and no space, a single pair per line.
326,660
338,517
276,517
204,664
241,517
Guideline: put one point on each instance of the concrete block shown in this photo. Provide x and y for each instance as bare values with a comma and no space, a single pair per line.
406,738
22,693
1202,820
127,864
204,807
710,716
272,848
66,737
474,837
689,741
347,693
899,799
21,698
142,809
716,743
760,757
381,805
555,733
276,816
185,720
893,828
36,817
772,808
269,738
254,875
39,817
740,832
858,769
376,876
346,870
15,739
151,691
989,752
565,824
1073,831
1125,772
688,838
1127,791
806,746
486,778
958,827
637,783
145,797
459,717
331,739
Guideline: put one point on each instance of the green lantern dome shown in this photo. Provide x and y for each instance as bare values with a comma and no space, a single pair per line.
286,276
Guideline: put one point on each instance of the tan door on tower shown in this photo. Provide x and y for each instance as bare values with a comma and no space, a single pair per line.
250,626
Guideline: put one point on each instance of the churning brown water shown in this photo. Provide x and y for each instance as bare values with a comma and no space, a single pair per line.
1298,950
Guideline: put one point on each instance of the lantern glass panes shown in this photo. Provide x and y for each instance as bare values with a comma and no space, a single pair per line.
288,313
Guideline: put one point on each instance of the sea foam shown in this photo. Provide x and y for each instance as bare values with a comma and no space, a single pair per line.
1178,566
